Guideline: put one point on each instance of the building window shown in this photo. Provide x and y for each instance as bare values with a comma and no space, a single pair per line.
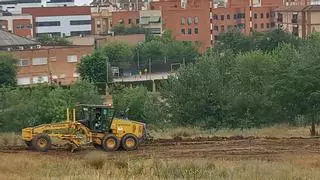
215,17
80,22
228,16
98,25
240,15
48,23
78,33
255,26
189,20
255,15
235,16
129,21
196,30
40,79
261,15
222,28
23,62
267,15
39,61
196,20
72,58
23,80
262,26
189,31
51,33
268,25
272,24
20,26
137,21
222,17
182,21
216,28
183,31
215,38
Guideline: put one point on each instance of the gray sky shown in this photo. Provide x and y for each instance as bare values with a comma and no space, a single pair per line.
81,2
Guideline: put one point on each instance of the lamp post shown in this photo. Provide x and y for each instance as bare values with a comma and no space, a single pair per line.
107,78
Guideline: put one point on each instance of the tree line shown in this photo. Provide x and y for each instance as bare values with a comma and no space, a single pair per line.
242,82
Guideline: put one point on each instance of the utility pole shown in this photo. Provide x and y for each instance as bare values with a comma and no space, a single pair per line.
107,77
150,67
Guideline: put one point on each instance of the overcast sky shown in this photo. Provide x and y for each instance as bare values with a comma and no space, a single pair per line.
81,2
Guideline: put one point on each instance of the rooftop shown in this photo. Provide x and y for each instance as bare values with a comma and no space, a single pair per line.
8,40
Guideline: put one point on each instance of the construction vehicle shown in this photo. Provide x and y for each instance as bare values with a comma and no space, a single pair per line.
88,125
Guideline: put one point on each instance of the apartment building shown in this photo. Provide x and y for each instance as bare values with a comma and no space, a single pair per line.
54,65
126,18
301,18
188,20
151,20
15,6
101,21
246,15
61,21
21,25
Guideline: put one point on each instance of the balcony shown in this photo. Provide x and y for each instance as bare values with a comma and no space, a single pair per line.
294,21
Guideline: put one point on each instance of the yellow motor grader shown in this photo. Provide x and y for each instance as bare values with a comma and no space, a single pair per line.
88,124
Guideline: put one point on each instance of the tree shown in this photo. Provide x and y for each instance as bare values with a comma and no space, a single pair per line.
94,67
23,107
197,94
131,101
119,54
299,86
8,69
46,40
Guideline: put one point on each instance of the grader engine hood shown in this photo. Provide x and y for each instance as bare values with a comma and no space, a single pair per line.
121,127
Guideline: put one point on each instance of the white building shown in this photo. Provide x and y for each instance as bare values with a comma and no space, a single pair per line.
15,6
61,21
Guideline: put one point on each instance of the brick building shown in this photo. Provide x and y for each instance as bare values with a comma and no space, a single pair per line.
300,17
61,21
188,20
246,15
126,18
101,21
21,25
50,64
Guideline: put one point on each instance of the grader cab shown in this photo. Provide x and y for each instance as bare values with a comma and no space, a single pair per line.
88,124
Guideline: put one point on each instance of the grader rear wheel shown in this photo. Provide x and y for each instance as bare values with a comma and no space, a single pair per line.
110,143
129,142
41,142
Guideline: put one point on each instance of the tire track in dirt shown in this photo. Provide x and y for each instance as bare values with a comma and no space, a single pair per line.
214,147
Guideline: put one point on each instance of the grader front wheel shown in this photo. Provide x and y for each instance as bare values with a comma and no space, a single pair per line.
41,142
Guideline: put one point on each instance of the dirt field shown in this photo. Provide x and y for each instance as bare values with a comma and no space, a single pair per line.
233,157
216,147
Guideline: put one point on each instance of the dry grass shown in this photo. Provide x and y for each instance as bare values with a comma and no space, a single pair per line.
274,131
94,166
10,139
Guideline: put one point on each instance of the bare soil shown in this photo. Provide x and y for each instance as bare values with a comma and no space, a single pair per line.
236,147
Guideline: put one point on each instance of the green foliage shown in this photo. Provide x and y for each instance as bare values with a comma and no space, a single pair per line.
53,41
166,47
119,54
8,69
94,67
140,105
122,30
23,107
266,41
